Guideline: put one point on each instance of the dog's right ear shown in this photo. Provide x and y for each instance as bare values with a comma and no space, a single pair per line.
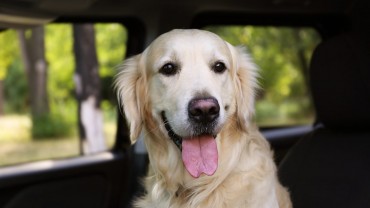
130,86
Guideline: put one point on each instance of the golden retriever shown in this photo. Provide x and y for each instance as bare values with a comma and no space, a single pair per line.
191,94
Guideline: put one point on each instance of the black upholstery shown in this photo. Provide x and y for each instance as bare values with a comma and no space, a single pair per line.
330,167
340,82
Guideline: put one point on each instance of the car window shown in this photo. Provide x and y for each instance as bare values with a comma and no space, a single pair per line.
54,80
282,55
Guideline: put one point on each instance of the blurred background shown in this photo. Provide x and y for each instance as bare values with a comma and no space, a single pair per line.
48,73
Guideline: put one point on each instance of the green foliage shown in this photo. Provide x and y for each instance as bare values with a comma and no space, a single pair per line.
111,47
11,73
62,120
52,125
60,59
111,50
110,43
15,88
282,55
8,51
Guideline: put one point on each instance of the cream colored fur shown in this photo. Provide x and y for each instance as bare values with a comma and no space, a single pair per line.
246,174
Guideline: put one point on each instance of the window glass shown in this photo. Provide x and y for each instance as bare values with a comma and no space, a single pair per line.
42,108
283,55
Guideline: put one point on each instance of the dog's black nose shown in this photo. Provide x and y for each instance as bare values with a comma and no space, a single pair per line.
203,110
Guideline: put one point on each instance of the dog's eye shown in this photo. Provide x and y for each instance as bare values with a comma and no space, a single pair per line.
219,67
168,69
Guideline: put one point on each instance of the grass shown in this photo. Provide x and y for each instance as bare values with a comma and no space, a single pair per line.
14,128
17,146
26,151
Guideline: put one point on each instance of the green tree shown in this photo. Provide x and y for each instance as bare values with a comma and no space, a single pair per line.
282,55
111,48
59,53
8,53
62,117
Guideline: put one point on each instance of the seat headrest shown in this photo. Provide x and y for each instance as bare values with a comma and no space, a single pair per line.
340,82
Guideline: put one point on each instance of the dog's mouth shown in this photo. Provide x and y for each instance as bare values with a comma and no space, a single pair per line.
199,153
177,140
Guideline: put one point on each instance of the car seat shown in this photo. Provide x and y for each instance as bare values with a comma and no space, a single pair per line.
330,167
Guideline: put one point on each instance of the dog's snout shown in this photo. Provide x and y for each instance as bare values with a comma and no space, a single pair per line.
203,110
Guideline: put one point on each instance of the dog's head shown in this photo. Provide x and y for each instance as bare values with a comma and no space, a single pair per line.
188,84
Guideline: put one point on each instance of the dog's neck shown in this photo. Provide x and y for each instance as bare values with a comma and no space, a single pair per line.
170,169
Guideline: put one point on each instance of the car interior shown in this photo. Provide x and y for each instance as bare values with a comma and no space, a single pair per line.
325,163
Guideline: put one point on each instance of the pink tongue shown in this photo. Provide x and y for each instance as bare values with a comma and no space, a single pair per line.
199,155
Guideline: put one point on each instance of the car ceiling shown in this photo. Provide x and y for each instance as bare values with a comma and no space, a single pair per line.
14,13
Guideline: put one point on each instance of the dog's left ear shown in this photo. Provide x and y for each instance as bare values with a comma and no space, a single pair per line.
245,81
130,84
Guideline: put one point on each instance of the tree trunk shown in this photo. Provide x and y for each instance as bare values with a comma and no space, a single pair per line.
33,55
32,47
88,89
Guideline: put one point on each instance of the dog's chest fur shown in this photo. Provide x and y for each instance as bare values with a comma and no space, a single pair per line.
246,175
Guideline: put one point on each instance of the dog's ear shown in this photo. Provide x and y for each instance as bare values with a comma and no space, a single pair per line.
245,80
130,86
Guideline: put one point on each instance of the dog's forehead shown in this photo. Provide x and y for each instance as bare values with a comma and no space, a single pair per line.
176,36
187,40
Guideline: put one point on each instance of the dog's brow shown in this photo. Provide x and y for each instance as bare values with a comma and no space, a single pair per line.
167,58
171,57
174,57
